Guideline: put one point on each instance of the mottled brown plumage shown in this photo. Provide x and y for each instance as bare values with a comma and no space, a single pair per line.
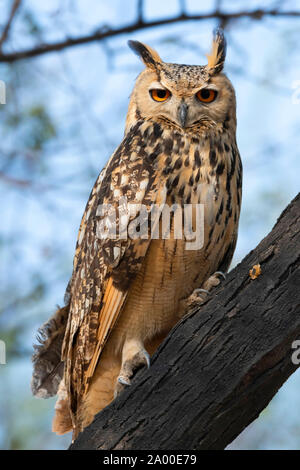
126,293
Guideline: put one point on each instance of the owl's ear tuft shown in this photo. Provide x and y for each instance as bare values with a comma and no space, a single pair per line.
216,59
148,55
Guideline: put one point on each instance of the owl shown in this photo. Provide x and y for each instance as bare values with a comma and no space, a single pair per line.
130,286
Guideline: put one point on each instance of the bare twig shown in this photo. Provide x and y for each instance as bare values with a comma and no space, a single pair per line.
182,7
140,12
106,32
15,181
8,24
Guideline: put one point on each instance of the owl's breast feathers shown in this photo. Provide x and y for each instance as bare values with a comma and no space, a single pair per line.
154,163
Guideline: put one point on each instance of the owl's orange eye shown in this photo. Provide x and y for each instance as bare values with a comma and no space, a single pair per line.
159,94
206,96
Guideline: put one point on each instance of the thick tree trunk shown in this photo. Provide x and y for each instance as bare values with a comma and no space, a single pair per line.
220,367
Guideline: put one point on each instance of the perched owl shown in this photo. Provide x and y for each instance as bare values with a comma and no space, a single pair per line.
127,292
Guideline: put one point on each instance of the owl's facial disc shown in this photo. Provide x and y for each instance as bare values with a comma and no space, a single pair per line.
186,100
183,107
192,97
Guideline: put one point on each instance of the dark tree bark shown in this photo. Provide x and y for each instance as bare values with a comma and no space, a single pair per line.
220,367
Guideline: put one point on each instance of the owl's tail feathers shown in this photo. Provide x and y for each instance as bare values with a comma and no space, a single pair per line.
47,364
100,392
62,421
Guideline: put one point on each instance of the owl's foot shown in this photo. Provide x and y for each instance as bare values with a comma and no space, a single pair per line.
214,280
134,357
200,295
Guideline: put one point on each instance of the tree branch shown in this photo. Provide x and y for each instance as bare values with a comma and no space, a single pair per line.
140,12
8,24
221,365
106,32
14,181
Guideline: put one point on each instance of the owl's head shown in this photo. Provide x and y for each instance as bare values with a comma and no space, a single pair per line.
190,97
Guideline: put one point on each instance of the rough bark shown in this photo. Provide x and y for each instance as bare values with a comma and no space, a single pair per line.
220,367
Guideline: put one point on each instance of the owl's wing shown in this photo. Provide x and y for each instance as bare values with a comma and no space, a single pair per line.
105,267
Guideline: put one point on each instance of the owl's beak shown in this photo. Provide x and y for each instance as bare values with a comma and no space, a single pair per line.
182,114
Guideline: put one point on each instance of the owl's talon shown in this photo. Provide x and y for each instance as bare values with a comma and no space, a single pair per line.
221,274
123,381
122,384
214,280
147,357
134,357
195,292
196,298
199,296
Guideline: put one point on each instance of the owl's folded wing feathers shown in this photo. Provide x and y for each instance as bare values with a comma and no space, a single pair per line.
105,267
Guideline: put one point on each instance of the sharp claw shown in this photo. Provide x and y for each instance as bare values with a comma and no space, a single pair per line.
147,356
221,274
201,290
122,381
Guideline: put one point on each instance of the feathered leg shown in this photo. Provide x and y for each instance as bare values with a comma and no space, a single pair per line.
134,356
100,392
62,422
